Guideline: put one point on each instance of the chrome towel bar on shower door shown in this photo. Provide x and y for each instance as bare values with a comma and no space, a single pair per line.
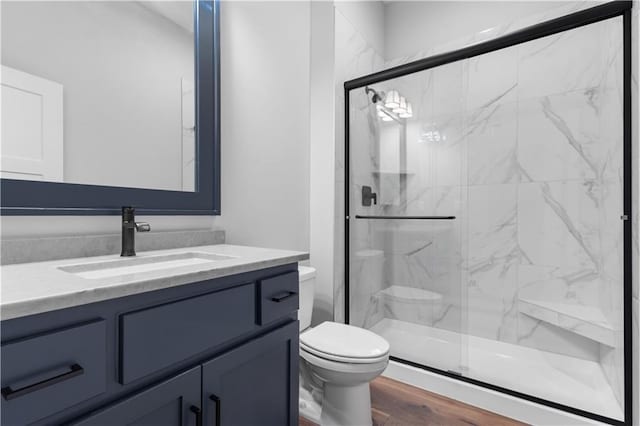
407,217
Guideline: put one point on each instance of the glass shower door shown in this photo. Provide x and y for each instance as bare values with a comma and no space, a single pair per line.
406,198
545,184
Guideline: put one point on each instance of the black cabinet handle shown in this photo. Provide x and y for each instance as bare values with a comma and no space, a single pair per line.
198,412
217,401
74,370
283,297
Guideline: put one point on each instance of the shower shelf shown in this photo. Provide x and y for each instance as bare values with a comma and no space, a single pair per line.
411,294
586,321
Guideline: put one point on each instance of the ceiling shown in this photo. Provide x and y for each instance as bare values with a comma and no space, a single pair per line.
179,12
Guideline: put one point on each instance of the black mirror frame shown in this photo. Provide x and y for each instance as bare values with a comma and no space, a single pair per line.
24,197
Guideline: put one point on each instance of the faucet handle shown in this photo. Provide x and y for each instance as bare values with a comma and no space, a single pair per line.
143,227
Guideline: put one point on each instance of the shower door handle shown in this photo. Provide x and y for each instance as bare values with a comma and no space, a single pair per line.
359,216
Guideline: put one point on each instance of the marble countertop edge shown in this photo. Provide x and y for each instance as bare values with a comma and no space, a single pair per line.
35,299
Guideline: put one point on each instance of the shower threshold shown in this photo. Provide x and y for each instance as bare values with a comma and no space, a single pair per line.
563,379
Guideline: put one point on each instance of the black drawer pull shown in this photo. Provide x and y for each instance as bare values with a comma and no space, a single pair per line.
198,412
217,401
74,370
283,297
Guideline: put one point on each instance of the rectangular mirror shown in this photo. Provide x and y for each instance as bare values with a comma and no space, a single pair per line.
101,106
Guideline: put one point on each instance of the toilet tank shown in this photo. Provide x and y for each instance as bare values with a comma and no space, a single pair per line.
307,279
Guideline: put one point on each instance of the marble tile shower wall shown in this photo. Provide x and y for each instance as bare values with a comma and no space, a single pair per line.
543,135
354,57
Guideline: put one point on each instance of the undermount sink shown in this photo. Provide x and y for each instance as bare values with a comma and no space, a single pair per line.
135,265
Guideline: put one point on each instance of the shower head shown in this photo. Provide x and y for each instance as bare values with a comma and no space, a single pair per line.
375,96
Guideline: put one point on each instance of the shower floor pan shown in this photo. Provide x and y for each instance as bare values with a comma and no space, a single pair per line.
563,379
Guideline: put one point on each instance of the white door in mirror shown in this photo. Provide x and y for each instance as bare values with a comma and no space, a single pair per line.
188,135
32,129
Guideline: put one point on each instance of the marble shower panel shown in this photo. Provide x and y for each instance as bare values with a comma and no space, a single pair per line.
492,261
367,276
354,57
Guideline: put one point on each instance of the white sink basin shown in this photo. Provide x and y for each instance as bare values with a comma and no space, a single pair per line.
135,265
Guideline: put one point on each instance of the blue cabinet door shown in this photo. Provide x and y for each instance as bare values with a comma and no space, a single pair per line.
174,402
255,384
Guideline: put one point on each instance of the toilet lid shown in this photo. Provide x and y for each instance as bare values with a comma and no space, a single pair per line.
344,341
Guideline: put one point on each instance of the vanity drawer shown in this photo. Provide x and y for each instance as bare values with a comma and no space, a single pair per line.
155,338
44,374
278,296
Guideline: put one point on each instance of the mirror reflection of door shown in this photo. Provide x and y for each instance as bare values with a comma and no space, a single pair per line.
32,133
89,87
188,135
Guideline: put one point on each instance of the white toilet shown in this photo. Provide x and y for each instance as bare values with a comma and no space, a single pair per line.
343,359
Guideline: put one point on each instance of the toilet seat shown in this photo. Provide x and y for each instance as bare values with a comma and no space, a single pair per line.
342,359
344,343
344,367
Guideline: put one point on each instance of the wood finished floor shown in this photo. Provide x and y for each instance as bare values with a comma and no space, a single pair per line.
397,404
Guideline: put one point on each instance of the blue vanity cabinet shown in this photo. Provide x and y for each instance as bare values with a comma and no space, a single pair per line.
204,353
173,402
254,384
47,372
191,325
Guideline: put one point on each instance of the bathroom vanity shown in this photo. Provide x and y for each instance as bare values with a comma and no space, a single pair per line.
205,335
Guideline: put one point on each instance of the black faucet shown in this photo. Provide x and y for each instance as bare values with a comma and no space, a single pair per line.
129,228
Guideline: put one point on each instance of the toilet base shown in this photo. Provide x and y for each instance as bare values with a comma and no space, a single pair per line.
346,405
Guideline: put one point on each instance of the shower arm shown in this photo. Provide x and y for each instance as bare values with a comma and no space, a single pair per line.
375,95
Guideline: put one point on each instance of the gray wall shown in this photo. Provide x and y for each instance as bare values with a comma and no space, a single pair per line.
265,123
121,67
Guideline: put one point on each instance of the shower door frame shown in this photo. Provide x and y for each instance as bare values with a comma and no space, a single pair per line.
568,22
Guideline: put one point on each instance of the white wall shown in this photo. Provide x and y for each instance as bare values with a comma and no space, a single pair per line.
322,153
415,26
121,67
265,123
368,17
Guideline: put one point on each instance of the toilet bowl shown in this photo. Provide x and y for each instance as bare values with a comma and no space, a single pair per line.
342,360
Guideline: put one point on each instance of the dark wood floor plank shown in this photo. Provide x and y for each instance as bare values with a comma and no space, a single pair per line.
379,417
398,404
410,405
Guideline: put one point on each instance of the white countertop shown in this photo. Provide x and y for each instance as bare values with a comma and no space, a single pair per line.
33,288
